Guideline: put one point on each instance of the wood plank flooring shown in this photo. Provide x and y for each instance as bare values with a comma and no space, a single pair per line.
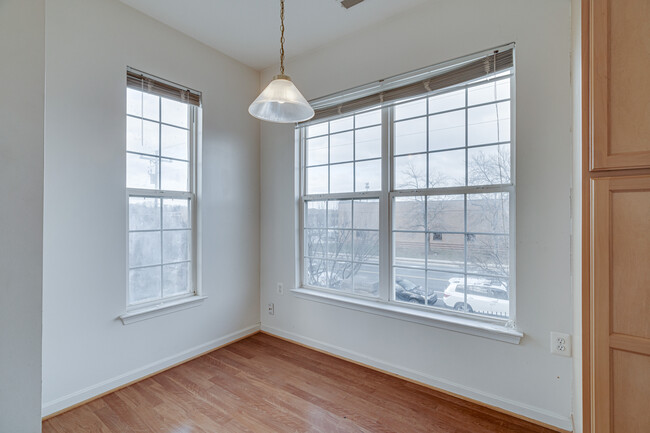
265,384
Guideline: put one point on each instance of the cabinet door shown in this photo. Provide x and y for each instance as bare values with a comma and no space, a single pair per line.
620,84
620,293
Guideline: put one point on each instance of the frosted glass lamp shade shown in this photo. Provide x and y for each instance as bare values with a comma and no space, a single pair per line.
281,102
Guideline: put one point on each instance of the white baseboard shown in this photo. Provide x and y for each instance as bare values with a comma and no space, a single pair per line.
515,407
100,388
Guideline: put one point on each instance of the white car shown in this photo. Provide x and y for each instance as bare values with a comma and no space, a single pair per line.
483,296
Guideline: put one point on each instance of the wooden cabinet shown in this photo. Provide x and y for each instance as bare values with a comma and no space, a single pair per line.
619,67
621,303
616,215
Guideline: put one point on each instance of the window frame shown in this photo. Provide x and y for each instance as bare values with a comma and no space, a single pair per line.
386,299
142,310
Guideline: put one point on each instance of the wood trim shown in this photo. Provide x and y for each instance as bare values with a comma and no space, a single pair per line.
442,391
598,108
630,343
110,391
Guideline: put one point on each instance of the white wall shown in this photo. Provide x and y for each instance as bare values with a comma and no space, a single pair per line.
22,80
86,349
524,378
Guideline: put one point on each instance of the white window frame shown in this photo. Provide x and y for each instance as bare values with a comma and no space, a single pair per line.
144,310
503,329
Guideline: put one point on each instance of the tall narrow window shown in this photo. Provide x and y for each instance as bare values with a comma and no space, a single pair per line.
407,188
161,186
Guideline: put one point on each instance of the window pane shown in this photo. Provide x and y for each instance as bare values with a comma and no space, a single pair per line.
446,213
317,151
411,136
144,284
447,130
176,213
342,124
174,176
317,180
173,112
447,168
488,296
144,248
366,279
133,102
368,175
316,272
411,109
144,213
488,213
316,130
176,279
315,216
410,172
339,244
438,283
339,214
447,101
134,135
175,142
176,245
409,286
315,242
408,213
489,92
368,118
446,252
366,214
489,124
141,171
340,276
488,254
409,249
341,179
489,165
150,106
366,246
341,147
368,143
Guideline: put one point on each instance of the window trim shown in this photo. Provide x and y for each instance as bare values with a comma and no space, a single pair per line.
145,310
504,329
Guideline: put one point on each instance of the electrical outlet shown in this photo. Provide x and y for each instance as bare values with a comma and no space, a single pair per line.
280,288
560,344
271,309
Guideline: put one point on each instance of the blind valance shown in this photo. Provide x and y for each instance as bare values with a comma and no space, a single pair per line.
436,80
139,81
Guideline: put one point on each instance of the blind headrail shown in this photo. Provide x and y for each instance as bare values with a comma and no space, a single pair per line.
140,81
440,78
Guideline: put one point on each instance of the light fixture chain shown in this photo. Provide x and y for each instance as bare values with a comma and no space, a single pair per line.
281,37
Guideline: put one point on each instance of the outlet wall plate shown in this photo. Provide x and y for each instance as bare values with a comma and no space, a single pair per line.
271,309
280,288
560,344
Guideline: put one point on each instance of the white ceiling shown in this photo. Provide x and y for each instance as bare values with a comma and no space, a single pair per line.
249,30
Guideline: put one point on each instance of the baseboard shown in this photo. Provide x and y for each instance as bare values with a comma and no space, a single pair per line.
77,398
520,410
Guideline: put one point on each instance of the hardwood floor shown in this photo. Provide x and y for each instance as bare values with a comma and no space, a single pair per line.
265,384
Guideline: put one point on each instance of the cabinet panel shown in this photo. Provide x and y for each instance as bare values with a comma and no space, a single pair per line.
620,84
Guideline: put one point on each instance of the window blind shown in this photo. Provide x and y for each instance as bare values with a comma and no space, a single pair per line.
436,80
146,83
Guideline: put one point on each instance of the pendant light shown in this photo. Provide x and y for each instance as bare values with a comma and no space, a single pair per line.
281,101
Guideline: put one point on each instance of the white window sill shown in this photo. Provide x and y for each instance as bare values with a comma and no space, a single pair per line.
465,325
161,309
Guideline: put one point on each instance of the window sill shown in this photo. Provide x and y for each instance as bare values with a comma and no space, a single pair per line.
437,319
161,309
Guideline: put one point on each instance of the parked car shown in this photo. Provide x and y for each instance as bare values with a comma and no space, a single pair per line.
408,291
484,296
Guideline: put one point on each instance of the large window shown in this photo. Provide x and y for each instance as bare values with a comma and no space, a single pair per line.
409,202
161,185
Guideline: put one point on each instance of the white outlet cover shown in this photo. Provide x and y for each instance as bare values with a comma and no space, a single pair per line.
560,344
280,288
